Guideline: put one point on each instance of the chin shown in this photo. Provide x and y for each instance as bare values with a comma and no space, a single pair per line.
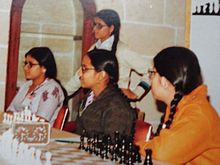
27,78
82,85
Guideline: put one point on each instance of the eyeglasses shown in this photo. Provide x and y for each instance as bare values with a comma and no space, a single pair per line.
98,25
151,73
85,69
29,64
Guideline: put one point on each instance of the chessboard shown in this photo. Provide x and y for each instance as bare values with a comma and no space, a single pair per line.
63,153
69,154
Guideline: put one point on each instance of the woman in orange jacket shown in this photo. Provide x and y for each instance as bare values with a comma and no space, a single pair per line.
189,132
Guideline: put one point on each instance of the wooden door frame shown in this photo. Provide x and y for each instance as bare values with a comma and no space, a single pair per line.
89,10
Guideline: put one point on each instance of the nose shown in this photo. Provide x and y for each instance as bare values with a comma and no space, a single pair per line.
80,72
26,67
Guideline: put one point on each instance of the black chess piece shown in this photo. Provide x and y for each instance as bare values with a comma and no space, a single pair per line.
148,158
114,154
122,152
108,146
88,147
130,154
97,145
82,143
137,156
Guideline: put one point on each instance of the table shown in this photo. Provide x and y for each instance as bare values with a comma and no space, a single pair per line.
66,153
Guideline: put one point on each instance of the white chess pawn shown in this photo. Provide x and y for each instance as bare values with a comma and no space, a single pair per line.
27,114
37,160
7,118
4,118
32,151
34,117
15,116
48,156
10,119
22,116
38,154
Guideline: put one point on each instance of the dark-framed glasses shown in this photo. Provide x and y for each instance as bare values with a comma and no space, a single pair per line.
85,69
98,25
29,64
151,73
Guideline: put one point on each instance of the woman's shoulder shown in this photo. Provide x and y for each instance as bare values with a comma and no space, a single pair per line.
116,96
50,83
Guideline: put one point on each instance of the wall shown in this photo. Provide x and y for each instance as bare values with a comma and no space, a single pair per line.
205,45
147,27
54,25
5,6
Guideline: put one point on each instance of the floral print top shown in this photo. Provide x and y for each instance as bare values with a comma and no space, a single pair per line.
44,101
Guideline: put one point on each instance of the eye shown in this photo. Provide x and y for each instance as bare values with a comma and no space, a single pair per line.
29,64
98,25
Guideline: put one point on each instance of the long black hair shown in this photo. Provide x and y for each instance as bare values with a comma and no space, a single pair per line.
111,17
181,67
45,58
104,60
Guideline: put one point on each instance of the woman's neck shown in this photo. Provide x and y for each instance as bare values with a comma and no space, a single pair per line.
38,81
98,90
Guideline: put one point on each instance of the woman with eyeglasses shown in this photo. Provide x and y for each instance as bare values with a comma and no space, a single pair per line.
189,132
105,109
41,93
106,29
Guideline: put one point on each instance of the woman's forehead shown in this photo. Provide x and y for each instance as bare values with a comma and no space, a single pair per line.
98,20
29,57
86,60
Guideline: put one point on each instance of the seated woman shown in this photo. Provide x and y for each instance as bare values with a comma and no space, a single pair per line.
106,109
42,92
189,132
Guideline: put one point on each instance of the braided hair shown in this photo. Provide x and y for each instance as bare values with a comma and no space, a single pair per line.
181,67
111,17
103,60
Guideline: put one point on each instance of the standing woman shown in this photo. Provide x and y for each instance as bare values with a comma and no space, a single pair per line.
105,109
106,29
42,92
189,132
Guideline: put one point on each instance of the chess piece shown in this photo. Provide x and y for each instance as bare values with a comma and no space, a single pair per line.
88,147
27,114
48,157
4,118
148,158
122,152
108,148
38,154
82,138
37,160
130,158
137,156
34,118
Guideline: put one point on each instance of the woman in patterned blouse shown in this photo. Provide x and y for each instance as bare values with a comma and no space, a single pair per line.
42,92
